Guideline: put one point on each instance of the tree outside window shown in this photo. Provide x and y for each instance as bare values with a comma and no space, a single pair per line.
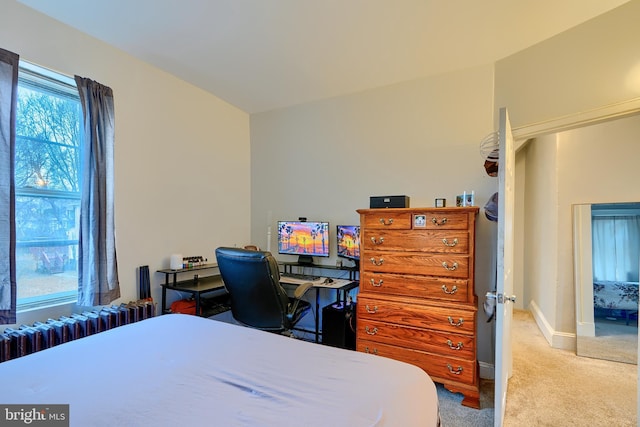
47,166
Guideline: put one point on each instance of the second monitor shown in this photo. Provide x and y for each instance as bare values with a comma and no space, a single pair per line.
348,242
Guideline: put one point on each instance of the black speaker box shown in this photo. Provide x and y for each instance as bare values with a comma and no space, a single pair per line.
388,202
339,325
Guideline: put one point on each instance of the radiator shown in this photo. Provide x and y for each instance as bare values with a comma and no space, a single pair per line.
18,342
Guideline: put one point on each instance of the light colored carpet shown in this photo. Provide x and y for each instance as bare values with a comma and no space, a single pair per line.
552,387
614,340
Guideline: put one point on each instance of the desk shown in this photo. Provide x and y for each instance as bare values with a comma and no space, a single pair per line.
170,273
198,286
287,267
340,285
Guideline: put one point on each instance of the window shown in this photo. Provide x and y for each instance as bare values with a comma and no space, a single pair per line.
47,167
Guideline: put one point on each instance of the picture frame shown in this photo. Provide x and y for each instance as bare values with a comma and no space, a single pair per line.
466,199
441,203
419,221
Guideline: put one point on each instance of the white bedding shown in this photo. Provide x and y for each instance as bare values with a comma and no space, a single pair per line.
615,295
181,370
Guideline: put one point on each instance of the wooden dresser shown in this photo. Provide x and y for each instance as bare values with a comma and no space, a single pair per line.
417,301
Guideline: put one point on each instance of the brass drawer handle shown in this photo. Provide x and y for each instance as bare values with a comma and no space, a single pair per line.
450,292
452,268
375,309
456,324
452,244
376,284
374,351
377,241
454,347
456,371
378,262
370,331
437,222
386,221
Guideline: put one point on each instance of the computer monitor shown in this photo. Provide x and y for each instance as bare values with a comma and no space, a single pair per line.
348,242
307,239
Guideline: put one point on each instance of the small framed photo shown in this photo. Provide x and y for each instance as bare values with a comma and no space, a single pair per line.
441,203
419,221
466,199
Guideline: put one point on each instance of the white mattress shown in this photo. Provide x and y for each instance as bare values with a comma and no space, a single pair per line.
181,370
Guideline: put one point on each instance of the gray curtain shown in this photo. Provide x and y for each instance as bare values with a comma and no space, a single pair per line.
8,102
98,268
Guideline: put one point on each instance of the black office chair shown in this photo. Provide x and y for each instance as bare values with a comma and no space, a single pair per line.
258,300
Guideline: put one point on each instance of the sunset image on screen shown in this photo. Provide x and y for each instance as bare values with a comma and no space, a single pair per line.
309,238
349,241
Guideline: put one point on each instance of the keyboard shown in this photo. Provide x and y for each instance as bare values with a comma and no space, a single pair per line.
305,277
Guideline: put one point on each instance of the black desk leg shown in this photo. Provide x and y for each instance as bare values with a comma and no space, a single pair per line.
317,314
164,299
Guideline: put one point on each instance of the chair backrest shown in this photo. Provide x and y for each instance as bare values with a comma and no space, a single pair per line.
252,279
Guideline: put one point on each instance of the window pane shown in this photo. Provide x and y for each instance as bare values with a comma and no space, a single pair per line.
47,189
47,151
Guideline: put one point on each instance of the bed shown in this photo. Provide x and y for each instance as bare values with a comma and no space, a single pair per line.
186,370
613,297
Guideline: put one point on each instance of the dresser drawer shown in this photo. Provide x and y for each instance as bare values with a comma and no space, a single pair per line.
453,265
443,220
440,368
399,312
439,241
444,343
387,219
409,285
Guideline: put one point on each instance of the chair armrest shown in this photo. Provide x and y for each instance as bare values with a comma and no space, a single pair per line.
302,289
297,296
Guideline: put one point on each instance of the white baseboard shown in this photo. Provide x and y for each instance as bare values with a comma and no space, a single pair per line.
560,340
487,370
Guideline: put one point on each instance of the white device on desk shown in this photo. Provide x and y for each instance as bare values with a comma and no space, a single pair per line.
333,283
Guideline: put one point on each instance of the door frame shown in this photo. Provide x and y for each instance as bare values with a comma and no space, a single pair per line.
523,134
618,110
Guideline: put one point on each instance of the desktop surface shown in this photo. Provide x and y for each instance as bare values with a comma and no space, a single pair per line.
317,281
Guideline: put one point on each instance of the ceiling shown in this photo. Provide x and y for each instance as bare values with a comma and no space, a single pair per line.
260,55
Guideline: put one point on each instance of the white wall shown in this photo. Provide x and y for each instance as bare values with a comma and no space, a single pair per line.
592,65
541,228
323,160
598,164
594,164
176,148
519,290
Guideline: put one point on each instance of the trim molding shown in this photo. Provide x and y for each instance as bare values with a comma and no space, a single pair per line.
560,340
487,370
583,118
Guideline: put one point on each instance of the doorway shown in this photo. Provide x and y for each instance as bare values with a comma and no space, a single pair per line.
606,260
557,168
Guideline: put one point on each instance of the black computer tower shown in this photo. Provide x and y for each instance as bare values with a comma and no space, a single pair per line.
339,325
